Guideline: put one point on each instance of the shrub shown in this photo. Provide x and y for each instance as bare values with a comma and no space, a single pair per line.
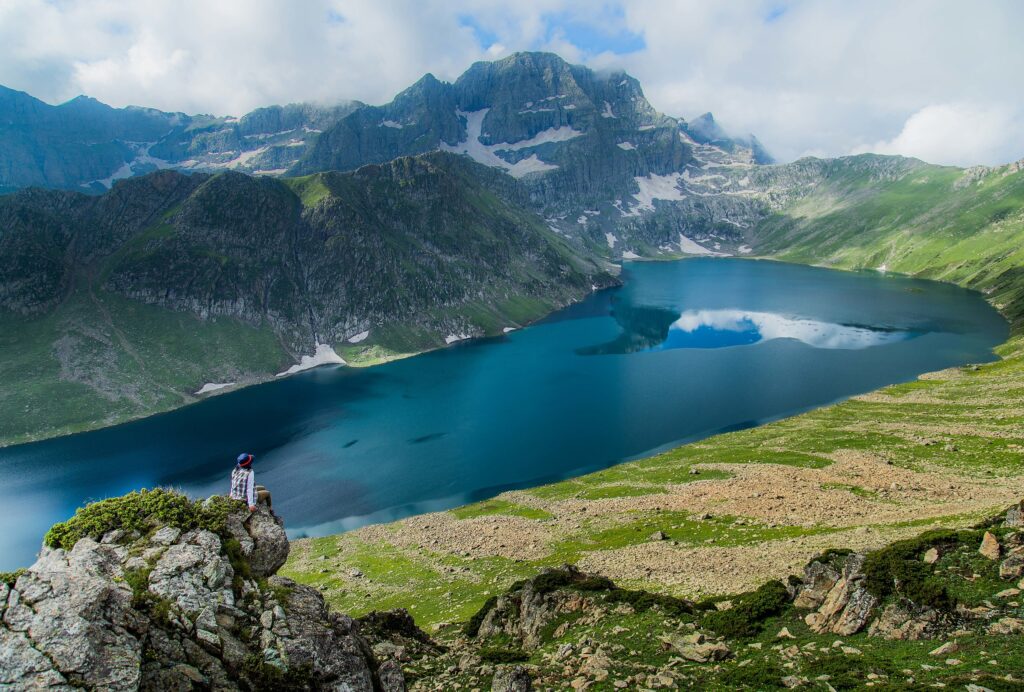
899,569
141,511
749,611
10,578
645,600
503,654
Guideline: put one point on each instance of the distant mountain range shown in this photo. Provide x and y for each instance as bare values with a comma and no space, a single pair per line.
222,250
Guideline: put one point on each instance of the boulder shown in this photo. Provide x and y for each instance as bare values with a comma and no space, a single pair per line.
989,546
1013,566
703,652
511,679
262,539
1015,515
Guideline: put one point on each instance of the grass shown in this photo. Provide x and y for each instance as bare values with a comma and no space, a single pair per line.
502,507
100,359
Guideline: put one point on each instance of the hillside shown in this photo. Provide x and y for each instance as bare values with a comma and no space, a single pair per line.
125,304
153,591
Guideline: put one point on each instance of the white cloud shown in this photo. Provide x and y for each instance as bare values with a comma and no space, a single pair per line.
828,76
957,134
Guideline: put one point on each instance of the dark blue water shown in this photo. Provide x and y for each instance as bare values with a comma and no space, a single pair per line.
683,350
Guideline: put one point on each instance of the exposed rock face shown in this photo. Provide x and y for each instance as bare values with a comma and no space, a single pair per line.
989,546
845,604
905,621
175,610
511,679
523,613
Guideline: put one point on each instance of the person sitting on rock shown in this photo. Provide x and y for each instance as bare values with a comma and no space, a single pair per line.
243,484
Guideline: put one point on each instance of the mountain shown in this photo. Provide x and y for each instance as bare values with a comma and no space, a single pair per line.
86,145
129,302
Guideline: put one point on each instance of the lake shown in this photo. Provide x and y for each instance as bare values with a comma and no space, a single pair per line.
683,350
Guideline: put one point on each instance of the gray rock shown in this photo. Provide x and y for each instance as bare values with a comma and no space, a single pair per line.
1013,566
166,535
391,677
511,679
906,622
1015,515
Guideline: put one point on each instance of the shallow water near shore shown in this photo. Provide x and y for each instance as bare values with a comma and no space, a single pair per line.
683,350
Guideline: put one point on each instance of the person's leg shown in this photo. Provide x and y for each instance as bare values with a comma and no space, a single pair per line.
263,495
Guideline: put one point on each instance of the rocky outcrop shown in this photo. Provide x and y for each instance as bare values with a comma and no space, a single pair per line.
172,609
523,612
843,604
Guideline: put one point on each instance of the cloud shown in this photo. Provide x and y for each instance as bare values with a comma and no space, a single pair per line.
821,76
958,134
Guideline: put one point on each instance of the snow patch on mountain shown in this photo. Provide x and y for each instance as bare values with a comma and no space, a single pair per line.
487,153
652,187
324,355
691,247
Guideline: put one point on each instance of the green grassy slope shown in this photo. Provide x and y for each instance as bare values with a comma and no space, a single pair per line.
100,359
943,223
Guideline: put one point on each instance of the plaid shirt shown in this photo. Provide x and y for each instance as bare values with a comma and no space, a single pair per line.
243,485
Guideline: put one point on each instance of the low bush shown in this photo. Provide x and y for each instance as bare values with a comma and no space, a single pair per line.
899,569
141,511
503,654
749,611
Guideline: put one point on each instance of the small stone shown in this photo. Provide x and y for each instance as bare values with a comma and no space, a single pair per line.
1008,593
851,650
166,535
989,546
659,536
355,573
784,633
947,648
931,556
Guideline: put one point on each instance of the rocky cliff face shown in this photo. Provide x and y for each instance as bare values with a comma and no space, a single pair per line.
163,604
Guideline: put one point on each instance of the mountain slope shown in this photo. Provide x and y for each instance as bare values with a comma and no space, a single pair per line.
902,215
86,145
125,304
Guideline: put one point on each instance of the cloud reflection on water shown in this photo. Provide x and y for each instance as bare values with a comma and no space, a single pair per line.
716,328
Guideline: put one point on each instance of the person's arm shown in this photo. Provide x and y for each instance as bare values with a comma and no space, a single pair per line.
250,490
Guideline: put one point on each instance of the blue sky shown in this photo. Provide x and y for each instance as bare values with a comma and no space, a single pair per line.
935,79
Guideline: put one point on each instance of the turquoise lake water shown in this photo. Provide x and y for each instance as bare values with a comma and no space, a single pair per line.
683,350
